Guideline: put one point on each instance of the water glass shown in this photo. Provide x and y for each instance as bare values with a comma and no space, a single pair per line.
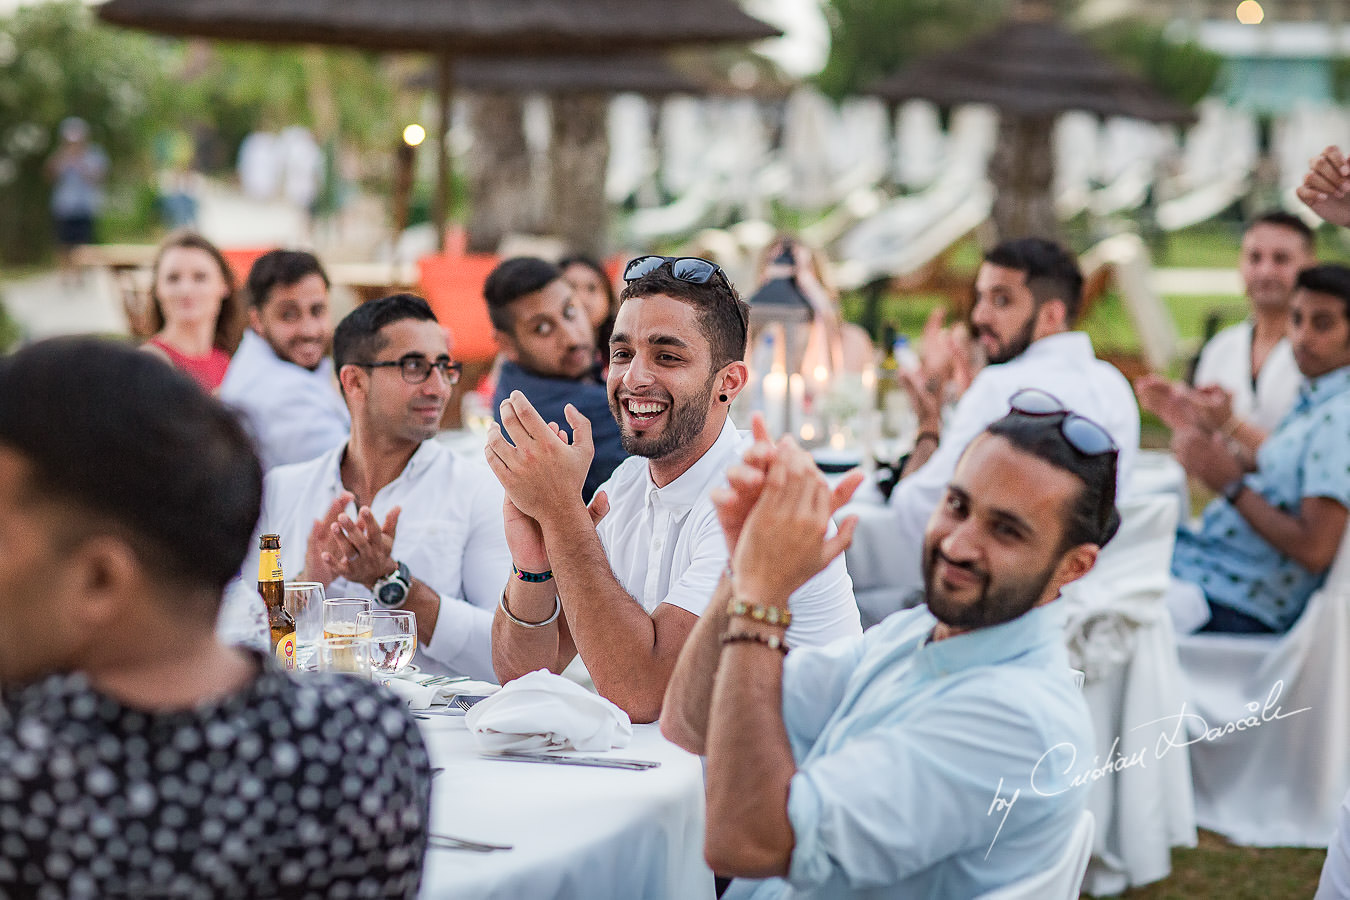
393,638
304,601
348,655
339,617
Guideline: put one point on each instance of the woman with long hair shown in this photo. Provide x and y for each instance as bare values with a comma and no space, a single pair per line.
195,308
595,292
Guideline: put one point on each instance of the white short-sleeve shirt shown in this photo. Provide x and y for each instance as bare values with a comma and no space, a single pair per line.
665,545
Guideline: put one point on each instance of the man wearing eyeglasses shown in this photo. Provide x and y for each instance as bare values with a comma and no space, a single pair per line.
939,754
625,594
391,514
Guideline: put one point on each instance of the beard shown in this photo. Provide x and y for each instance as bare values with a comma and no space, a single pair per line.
685,422
995,604
1015,346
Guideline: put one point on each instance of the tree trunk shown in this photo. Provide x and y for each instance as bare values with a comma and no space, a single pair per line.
1022,172
579,157
498,172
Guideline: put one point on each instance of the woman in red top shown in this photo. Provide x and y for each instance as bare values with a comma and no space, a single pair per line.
195,309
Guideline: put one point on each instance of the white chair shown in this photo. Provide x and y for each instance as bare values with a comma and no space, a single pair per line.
1279,784
1120,635
1061,881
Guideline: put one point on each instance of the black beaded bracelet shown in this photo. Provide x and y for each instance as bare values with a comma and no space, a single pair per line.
532,577
772,641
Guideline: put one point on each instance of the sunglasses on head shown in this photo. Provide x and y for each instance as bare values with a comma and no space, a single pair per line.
1081,433
692,269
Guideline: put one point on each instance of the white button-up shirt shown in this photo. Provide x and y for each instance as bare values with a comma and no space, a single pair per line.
1227,362
665,545
1062,365
293,414
450,535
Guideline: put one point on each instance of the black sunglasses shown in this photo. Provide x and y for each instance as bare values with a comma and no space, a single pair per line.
416,369
1082,434
692,269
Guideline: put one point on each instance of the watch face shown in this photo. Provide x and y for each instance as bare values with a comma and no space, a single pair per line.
391,594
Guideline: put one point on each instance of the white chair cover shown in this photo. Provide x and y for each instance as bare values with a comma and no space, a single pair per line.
1120,635
1062,881
1280,784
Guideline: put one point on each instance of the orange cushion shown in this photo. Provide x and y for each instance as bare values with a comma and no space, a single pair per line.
241,260
453,286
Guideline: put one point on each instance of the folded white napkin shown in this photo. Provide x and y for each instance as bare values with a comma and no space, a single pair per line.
421,696
543,711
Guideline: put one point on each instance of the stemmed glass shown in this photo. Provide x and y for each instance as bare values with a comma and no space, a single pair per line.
393,638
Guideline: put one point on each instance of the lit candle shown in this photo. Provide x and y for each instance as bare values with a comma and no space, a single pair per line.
775,395
796,402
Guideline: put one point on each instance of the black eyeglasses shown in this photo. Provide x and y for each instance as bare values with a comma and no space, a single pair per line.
1083,434
692,269
416,368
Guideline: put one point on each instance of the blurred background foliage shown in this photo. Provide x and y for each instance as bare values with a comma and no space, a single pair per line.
138,92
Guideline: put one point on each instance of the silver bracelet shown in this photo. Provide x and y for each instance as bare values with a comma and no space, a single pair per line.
557,608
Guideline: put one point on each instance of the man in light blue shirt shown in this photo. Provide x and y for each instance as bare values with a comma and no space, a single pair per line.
939,755
1266,543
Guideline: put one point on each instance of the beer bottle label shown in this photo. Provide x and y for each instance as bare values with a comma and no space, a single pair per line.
269,566
286,651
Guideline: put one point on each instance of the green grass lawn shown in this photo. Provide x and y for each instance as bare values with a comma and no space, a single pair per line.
1217,869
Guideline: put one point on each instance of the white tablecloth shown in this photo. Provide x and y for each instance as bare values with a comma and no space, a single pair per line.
581,833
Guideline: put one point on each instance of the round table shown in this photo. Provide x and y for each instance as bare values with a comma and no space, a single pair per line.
584,833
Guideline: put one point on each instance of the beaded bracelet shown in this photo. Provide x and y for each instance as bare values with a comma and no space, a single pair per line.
769,615
922,435
532,577
772,641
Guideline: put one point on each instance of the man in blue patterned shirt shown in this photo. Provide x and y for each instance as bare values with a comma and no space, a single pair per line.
1266,543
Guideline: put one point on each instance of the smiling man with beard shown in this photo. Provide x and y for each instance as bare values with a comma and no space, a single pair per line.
1028,294
624,594
281,379
875,767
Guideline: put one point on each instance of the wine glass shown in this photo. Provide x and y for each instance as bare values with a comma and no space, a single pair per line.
393,638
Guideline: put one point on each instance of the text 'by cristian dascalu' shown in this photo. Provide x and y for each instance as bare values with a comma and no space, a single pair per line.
1181,730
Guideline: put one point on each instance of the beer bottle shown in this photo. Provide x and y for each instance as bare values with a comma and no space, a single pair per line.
272,587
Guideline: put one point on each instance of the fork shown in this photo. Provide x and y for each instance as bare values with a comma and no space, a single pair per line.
449,842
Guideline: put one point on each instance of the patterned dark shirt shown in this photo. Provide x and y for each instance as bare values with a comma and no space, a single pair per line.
296,787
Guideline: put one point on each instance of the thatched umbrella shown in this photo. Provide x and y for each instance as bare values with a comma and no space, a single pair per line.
579,88
1031,69
449,29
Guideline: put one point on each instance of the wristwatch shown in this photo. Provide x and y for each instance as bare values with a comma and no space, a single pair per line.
391,591
1233,489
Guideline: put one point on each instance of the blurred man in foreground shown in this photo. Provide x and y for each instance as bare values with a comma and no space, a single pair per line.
281,378
934,755
138,755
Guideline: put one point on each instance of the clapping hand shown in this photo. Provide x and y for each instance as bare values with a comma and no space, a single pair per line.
538,467
782,542
362,551
1326,187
